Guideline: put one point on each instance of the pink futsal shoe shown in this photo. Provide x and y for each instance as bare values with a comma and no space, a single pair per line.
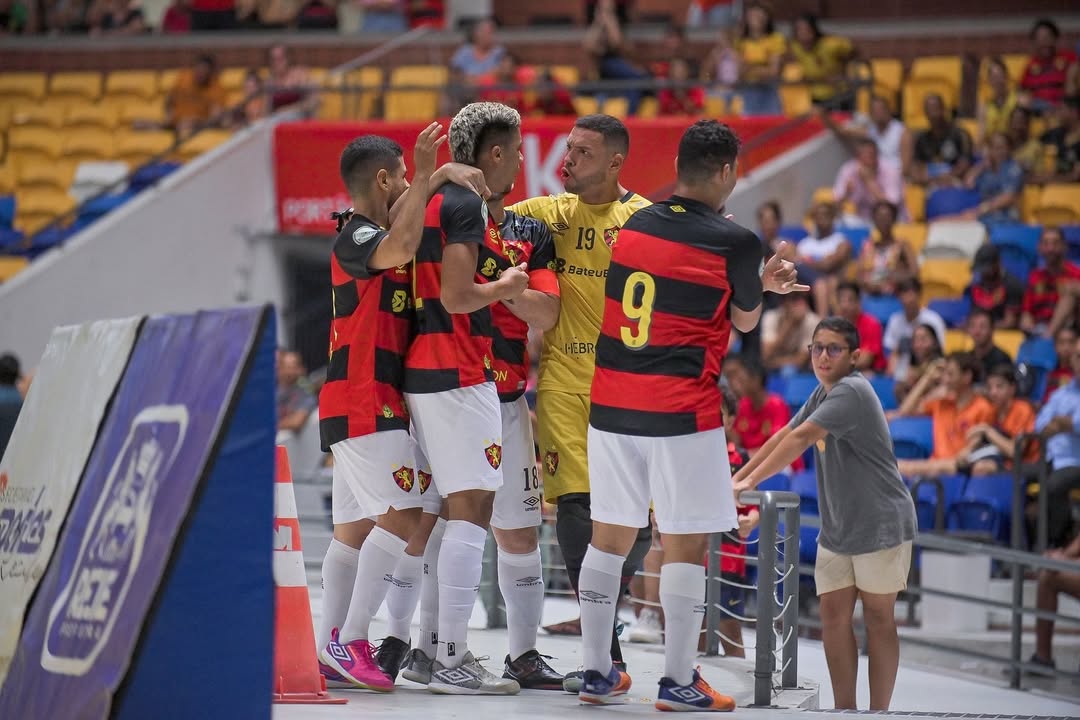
334,680
355,662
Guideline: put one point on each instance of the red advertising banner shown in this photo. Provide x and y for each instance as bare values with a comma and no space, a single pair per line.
309,188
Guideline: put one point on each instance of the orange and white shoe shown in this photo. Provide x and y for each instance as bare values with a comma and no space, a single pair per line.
598,689
695,697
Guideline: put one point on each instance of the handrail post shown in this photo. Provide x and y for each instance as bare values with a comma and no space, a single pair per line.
790,631
765,659
713,589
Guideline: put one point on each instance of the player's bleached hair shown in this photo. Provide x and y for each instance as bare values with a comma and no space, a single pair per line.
476,126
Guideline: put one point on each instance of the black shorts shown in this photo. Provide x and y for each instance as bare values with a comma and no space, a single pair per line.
732,598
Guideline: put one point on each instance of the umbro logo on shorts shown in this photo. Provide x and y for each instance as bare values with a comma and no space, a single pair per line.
532,501
689,694
595,597
338,652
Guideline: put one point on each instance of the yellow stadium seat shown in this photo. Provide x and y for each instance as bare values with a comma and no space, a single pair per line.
949,68
46,176
75,85
915,92
888,78
22,85
567,75
969,125
48,114
795,100
142,113
914,233
136,147
1059,204
1016,63
360,92
132,84
944,277
6,109
915,200
957,341
201,142
37,208
418,104
317,75
11,265
1009,341
88,144
1029,201
167,80
332,99
103,115
616,106
586,105
34,144
715,106
649,108
233,78
7,178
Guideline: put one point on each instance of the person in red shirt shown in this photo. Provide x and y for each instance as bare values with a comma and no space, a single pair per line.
681,98
549,97
503,85
849,306
1048,284
1048,69
760,413
1064,343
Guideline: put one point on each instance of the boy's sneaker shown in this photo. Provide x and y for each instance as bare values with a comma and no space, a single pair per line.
695,697
598,689
417,667
646,628
572,681
469,678
391,655
355,662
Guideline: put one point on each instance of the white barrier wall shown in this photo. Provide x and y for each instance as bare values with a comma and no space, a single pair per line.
178,247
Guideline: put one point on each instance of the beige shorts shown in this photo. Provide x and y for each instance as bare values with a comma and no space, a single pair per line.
881,572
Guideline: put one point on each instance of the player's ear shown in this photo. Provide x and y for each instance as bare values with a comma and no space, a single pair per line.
617,161
383,178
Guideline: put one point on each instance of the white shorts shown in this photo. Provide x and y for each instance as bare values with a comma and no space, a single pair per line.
431,501
517,502
687,478
460,433
379,470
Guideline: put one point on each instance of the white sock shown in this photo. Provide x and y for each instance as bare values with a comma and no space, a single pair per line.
429,592
521,581
403,595
338,578
460,564
682,595
378,558
598,593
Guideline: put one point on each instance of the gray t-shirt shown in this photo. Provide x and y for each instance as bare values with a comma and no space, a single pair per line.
863,501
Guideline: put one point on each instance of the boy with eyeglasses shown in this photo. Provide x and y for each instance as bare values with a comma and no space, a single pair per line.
867,515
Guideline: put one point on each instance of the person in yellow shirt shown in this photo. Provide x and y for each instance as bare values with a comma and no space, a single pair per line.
761,50
993,112
823,59
585,223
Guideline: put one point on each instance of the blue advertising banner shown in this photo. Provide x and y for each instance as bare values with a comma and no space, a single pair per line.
154,446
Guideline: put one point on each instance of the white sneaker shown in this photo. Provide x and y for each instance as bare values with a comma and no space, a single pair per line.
646,628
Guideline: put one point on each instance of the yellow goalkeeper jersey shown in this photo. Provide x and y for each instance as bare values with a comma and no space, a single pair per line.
584,235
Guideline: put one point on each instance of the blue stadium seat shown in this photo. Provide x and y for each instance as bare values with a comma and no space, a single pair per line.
149,174
950,201
953,311
798,388
1072,239
7,211
926,498
913,437
775,383
47,239
9,241
778,482
97,207
857,237
804,484
1040,358
1019,247
881,307
794,233
885,388
984,507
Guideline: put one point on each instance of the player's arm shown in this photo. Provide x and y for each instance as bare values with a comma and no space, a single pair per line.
744,278
539,305
465,176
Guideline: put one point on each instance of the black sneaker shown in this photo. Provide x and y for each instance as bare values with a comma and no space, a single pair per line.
532,673
1036,660
391,655
573,681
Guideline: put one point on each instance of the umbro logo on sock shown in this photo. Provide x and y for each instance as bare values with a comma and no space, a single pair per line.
388,577
528,581
595,597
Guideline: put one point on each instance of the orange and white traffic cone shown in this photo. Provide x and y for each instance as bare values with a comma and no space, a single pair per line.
296,668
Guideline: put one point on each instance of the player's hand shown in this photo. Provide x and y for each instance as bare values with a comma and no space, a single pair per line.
741,486
514,281
779,275
427,148
469,177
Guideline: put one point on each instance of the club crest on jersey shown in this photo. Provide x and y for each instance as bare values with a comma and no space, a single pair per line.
611,236
493,453
425,480
821,445
551,461
512,252
387,412
487,363
399,301
362,234
405,478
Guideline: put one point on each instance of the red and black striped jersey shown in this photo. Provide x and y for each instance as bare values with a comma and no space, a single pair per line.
452,350
675,269
371,329
525,240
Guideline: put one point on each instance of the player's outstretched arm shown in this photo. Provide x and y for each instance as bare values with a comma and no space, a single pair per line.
462,294
539,309
792,444
401,244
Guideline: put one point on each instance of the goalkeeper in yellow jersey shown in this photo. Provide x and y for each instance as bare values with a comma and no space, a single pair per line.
584,222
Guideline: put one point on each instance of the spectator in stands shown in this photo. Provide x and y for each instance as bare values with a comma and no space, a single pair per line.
941,154
760,413
672,45
712,13
786,332
992,446
550,97
66,16
177,18
980,326
18,17
849,306
1065,141
1049,283
605,42
288,84
1064,342
886,259
383,16
256,105
999,180
1027,150
993,112
902,324
761,53
1048,69
868,179
197,99
1051,584
681,97
427,13
823,60
955,408
879,125
1059,425
619,8
213,15
769,220
480,55
925,352
267,14
116,18
10,398
502,86
721,69
317,15
823,256
295,402
994,290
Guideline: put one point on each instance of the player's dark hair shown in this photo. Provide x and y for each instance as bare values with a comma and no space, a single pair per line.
1048,24
9,369
364,157
705,148
843,328
752,365
849,286
1003,371
616,136
967,363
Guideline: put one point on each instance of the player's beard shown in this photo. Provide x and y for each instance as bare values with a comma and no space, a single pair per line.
577,184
